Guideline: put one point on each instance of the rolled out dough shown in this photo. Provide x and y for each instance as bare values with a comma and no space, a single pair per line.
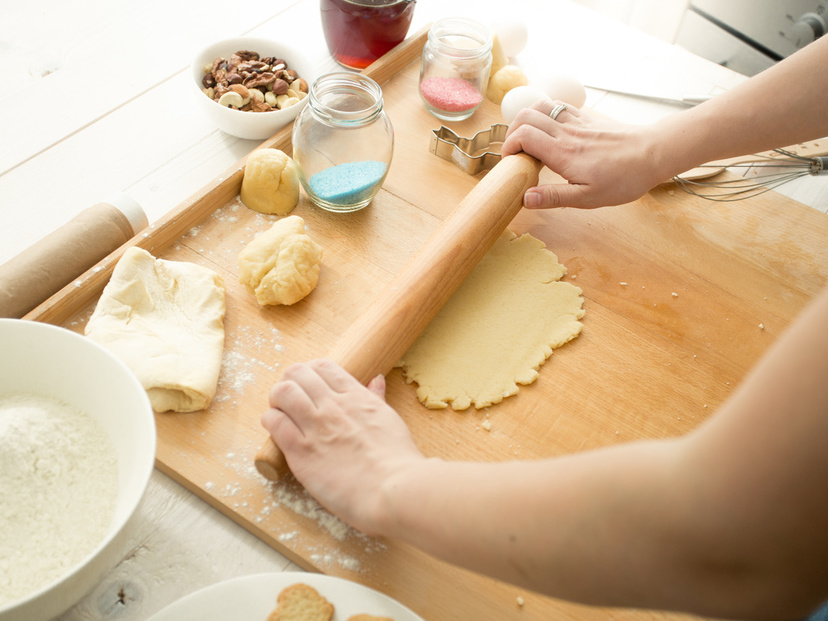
165,321
497,329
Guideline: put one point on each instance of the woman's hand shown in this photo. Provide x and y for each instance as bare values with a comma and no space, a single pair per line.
604,162
342,441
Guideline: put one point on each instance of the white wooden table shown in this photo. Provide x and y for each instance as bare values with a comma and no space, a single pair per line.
96,101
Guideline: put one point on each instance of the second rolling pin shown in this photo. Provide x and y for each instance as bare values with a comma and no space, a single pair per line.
47,266
381,335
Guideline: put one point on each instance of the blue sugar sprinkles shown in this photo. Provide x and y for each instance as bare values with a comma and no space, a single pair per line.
348,183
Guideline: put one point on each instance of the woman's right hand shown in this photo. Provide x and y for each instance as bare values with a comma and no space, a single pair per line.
604,162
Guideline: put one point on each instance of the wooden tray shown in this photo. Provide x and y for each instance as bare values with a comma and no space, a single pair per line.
682,297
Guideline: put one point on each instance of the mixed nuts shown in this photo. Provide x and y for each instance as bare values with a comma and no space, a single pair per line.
249,82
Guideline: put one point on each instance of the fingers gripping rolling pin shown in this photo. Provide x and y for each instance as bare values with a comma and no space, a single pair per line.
380,337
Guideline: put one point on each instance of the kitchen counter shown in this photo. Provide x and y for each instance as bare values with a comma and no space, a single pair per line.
98,102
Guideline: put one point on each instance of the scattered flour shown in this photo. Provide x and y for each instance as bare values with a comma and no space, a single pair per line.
299,501
247,353
238,362
227,215
292,496
58,488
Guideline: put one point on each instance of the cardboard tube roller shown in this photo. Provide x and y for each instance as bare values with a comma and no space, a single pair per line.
381,335
43,269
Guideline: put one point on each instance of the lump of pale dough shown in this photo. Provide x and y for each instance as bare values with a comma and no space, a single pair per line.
270,183
165,321
281,266
504,80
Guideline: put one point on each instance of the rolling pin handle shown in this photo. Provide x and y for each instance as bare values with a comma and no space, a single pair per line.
271,462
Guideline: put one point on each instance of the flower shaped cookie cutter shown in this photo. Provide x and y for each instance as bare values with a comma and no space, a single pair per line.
466,152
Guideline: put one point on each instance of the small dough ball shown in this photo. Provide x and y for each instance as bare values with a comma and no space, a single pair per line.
505,80
270,184
519,98
563,87
281,266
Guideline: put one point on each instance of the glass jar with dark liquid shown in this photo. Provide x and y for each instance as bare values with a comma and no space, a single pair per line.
358,32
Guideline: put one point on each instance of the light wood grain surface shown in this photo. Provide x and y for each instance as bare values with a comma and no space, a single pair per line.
108,109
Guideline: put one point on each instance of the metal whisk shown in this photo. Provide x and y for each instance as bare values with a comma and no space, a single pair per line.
761,173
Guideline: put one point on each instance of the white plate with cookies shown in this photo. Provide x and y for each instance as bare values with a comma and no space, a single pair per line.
286,596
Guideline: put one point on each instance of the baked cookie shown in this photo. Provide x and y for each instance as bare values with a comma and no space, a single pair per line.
300,602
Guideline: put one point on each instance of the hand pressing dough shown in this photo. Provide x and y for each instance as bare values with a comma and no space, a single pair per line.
281,266
497,329
270,183
165,321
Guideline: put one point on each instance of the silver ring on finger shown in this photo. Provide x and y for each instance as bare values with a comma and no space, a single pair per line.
557,110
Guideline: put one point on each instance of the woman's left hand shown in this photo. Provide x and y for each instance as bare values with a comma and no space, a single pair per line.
342,441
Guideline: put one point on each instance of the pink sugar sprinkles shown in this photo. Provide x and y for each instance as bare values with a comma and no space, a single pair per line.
450,94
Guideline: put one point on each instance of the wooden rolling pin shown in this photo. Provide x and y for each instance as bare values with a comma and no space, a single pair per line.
380,336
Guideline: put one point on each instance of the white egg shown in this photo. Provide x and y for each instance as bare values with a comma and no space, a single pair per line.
563,87
513,35
518,98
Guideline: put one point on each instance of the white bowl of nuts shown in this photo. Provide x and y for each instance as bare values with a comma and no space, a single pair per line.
251,87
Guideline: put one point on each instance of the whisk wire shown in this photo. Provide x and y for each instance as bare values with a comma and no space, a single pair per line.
779,172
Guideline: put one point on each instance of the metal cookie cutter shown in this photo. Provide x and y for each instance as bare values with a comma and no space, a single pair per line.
448,145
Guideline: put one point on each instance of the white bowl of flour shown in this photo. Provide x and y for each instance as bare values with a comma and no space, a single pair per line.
77,448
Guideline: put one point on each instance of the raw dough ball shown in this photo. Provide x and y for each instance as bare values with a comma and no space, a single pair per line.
165,321
271,183
281,266
505,80
497,329
563,87
517,99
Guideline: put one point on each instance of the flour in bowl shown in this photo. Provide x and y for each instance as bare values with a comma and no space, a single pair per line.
58,487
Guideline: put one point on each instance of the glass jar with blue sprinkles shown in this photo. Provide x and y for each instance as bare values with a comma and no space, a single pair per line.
343,142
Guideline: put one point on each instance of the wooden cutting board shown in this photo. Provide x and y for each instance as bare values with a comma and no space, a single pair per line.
682,297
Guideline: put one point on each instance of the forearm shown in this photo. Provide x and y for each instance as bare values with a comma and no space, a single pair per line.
782,106
590,527
729,520
640,525
761,463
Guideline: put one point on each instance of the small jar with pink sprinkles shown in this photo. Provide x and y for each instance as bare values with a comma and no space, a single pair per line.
455,71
